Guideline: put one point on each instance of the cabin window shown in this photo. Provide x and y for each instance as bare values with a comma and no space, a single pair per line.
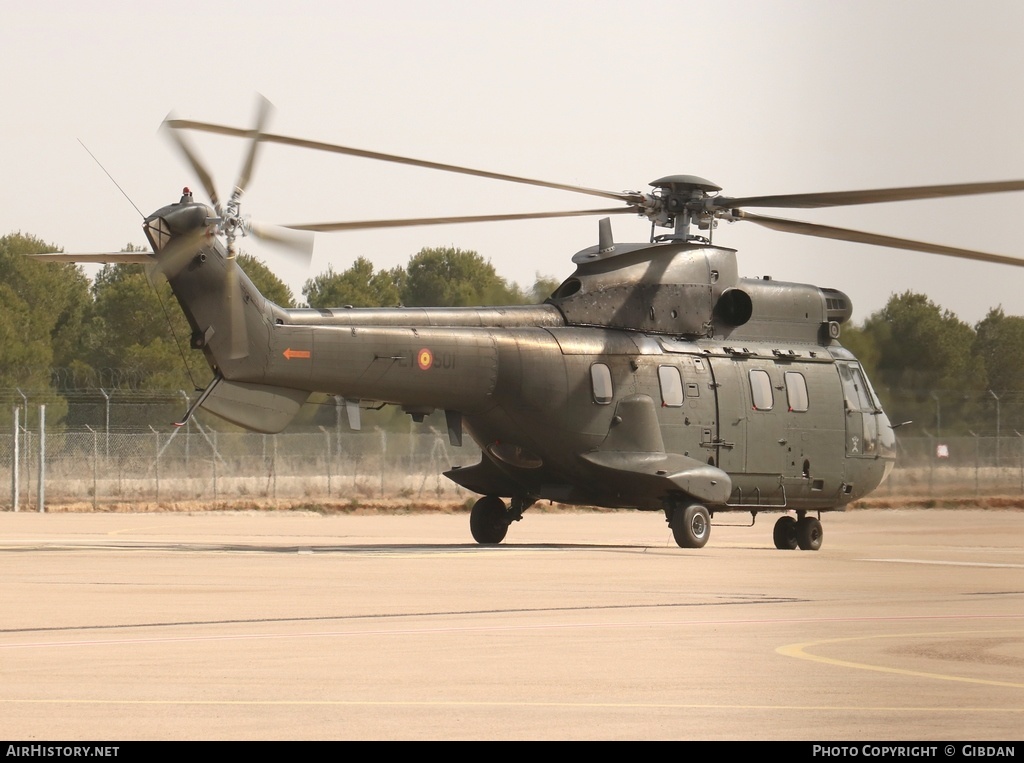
671,386
796,391
601,383
761,390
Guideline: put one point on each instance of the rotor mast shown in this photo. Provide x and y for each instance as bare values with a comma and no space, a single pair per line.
678,203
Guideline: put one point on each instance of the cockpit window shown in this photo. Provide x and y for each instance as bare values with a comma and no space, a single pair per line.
855,388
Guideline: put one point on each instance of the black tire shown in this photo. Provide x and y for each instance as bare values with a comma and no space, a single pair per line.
488,520
784,533
691,526
809,534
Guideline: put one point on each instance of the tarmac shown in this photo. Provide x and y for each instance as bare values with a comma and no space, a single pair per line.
906,625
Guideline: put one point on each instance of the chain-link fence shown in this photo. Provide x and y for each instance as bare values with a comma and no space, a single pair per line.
957,467
202,466
205,466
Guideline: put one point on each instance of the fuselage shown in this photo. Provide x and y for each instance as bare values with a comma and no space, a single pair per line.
653,375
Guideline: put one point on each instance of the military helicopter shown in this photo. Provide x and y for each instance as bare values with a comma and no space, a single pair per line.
653,378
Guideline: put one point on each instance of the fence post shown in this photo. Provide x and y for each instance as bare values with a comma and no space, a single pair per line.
27,455
95,468
214,446
42,459
327,440
977,456
188,428
273,466
15,461
383,458
1021,449
106,425
156,462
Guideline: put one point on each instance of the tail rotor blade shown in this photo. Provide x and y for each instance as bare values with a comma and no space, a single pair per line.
236,312
182,144
263,111
176,256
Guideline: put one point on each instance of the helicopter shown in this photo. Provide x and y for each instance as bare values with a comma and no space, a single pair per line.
653,378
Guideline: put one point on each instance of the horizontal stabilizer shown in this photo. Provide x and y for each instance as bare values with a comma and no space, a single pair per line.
663,473
258,407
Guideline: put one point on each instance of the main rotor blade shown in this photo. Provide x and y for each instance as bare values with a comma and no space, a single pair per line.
875,239
193,159
877,196
326,227
188,124
298,244
106,258
263,111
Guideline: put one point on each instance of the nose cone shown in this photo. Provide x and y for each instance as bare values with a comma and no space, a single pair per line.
886,437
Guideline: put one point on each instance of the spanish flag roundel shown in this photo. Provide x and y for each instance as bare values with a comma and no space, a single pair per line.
425,359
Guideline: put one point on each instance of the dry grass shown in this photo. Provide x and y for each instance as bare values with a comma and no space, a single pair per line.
399,505
994,502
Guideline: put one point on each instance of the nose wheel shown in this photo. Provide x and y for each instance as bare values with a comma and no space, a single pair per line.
691,525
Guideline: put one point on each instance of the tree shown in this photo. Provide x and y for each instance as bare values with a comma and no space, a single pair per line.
42,309
450,277
923,349
263,278
543,287
359,286
138,335
999,347
57,295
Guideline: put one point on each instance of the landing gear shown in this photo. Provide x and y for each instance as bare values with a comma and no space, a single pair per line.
784,533
809,534
691,525
489,520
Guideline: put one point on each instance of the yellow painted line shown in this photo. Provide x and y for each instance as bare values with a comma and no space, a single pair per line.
496,703
799,651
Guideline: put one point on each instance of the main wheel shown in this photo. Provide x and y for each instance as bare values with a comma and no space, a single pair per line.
809,534
488,520
691,526
784,533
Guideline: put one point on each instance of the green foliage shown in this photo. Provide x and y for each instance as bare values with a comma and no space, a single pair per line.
921,346
999,346
44,304
359,286
921,352
543,287
136,331
268,284
452,277
42,310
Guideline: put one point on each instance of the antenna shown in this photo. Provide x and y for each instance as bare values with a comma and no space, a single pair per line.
111,178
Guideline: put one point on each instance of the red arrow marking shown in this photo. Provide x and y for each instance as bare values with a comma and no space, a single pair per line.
290,353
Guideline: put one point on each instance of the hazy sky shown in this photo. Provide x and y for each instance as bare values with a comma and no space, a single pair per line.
759,97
